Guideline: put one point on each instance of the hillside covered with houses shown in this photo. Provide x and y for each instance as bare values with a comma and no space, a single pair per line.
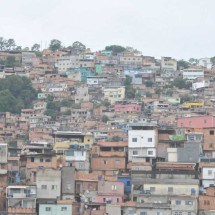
110,132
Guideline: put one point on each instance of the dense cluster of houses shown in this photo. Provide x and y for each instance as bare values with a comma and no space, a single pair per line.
119,147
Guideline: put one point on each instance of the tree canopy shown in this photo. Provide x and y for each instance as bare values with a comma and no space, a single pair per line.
77,47
182,64
35,47
55,45
181,83
115,49
16,93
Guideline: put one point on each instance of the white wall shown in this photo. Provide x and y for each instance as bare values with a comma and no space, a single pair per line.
206,173
142,138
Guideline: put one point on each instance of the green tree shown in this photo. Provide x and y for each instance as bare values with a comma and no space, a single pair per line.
16,93
11,62
35,47
130,92
26,49
55,45
158,91
10,45
181,83
2,44
18,48
115,49
169,92
193,61
148,95
7,101
77,47
182,64
105,118
149,83
128,81
185,98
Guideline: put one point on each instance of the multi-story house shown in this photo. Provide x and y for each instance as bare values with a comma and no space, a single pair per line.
207,202
21,199
192,74
128,108
68,182
167,63
55,209
142,142
113,94
82,95
110,192
48,185
109,156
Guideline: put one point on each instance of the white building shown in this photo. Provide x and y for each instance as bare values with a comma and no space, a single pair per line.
74,61
168,63
48,184
208,176
205,62
192,74
142,142
200,84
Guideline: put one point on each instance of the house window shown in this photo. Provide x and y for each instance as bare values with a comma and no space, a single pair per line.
210,172
149,140
152,189
48,208
134,140
128,183
43,187
189,213
63,208
211,132
105,162
150,152
178,202
41,159
188,203
32,159
117,161
159,213
54,187
178,213
143,213
170,189
113,187
135,152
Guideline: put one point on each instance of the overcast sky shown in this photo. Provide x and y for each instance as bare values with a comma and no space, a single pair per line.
177,28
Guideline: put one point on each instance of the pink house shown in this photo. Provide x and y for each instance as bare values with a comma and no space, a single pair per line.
127,108
110,192
198,122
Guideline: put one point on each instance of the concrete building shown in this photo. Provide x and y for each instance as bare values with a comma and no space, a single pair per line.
205,62
142,142
114,94
48,184
192,74
21,199
167,63
68,182
55,209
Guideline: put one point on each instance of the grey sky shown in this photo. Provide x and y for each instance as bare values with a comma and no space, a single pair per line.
177,28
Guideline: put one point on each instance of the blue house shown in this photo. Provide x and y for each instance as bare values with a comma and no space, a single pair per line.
84,72
126,179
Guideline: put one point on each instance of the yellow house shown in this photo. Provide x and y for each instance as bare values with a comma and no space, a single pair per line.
65,140
114,94
192,104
